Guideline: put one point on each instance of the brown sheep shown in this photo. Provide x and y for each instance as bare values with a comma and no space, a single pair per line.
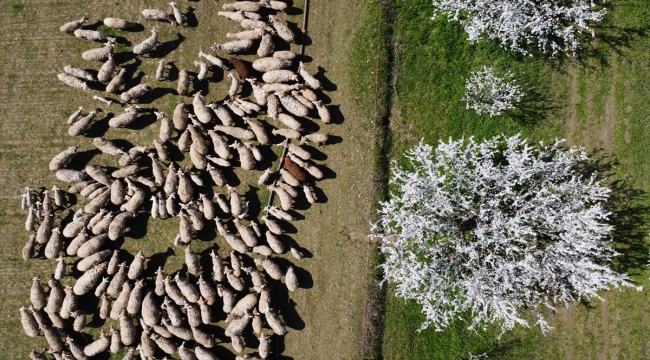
241,68
296,171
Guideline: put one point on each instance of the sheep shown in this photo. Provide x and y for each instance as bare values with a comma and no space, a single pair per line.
213,59
170,205
275,323
208,293
121,302
178,331
116,343
73,81
318,138
236,243
78,73
293,105
193,314
235,201
178,16
53,338
134,303
237,343
222,114
266,45
54,244
235,16
101,288
285,199
313,170
185,190
275,5
121,24
289,121
180,117
99,54
164,344
279,87
29,248
285,54
252,24
234,85
118,225
310,80
234,108
93,260
135,92
98,346
323,112
89,279
113,263
282,29
107,147
47,201
247,106
56,296
216,176
75,115
147,346
30,326
70,27
82,125
234,46
303,100
31,220
136,267
299,151
188,289
183,83
129,115
173,292
118,192
256,277
294,174
209,211
135,202
106,71
246,159
258,92
238,325
270,267
260,133
147,44
287,133
202,112
308,93
266,64
263,250
79,320
185,354
158,172
91,246
275,243
132,155
161,150
102,225
272,105
69,304
98,174
235,263
265,346
204,354
76,349
92,35
228,297
239,133
251,6
246,34
114,85
243,306
279,213
203,72
156,14
45,230
126,172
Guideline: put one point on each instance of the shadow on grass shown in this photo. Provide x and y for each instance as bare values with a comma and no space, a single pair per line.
630,215
532,109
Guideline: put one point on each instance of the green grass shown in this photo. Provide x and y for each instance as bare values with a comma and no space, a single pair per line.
599,101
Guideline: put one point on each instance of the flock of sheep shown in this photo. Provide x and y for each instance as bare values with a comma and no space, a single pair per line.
168,314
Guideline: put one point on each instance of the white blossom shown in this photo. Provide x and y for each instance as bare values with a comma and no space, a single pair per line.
550,25
483,229
487,92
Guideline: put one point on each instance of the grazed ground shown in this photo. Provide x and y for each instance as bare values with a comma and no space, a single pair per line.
324,318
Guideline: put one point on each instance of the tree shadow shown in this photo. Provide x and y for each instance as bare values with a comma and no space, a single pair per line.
532,109
630,215
167,47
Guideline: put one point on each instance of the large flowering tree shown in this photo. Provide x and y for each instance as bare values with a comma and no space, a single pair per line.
553,26
480,230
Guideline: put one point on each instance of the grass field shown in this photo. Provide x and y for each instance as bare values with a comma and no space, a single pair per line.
598,101
324,318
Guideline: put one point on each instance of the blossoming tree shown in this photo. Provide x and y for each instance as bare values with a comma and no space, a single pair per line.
550,25
480,230
486,92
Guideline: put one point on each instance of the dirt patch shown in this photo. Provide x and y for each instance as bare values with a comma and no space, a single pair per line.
609,124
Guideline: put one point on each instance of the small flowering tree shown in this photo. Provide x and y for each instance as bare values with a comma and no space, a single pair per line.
480,230
553,26
485,92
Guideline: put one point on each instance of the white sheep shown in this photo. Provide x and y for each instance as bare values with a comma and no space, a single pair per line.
235,16
285,54
252,24
293,105
160,70
73,25
203,72
114,85
67,175
272,105
178,16
222,114
279,76
266,45
117,23
81,126
63,158
213,59
246,158
234,46
92,35
246,34
317,138
276,245
75,115
129,115
135,92
202,112
183,83
282,29
106,101
252,6
89,279
303,100
307,92
275,5
289,121
279,87
234,108
99,54
310,80
266,64
247,106
287,133
239,133
73,81
234,85
78,72
156,14
147,44
260,133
